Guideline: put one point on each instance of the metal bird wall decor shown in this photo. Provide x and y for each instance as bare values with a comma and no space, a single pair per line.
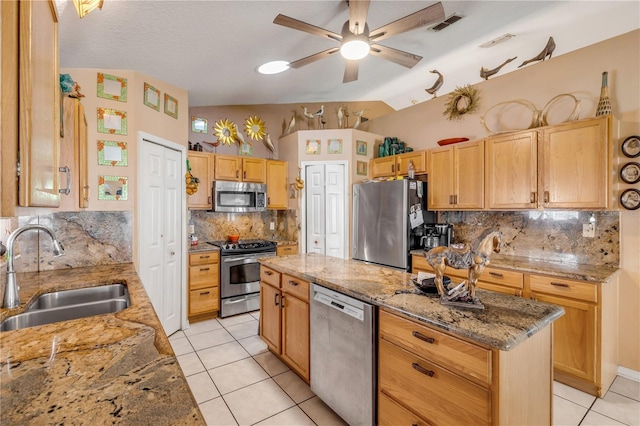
547,51
485,73
433,89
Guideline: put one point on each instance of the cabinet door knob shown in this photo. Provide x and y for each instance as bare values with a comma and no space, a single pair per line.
533,197
244,175
237,173
546,197
282,301
173,253
275,299
66,171
393,168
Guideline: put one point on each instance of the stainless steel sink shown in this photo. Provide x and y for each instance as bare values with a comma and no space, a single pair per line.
80,295
70,304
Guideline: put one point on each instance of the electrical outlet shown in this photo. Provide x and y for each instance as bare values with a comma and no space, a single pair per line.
191,230
588,230
272,226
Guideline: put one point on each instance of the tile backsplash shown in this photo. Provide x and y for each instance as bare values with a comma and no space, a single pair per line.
211,226
547,235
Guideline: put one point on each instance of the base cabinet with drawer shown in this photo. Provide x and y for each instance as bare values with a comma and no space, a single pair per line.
284,318
204,285
585,337
428,377
286,249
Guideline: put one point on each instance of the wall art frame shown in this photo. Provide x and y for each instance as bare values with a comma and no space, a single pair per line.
170,106
113,188
112,87
361,168
361,147
198,124
245,149
151,97
112,121
313,147
112,153
334,146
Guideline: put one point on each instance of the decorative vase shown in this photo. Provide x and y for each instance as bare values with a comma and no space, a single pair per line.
604,106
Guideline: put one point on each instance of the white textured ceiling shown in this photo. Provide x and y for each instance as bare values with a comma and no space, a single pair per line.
212,47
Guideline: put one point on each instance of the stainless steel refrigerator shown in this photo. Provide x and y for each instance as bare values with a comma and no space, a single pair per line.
386,215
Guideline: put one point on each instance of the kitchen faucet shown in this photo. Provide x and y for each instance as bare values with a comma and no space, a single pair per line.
11,298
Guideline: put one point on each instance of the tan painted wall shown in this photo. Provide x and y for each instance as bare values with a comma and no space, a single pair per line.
577,73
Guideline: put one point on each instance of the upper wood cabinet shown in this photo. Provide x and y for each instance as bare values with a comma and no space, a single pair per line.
456,177
565,166
201,167
574,165
73,154
239,169
398,165
276,185
512,171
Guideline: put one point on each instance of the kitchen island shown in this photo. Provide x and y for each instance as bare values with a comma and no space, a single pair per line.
106,369
443,364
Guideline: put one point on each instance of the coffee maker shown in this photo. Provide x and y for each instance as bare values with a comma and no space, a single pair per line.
435,235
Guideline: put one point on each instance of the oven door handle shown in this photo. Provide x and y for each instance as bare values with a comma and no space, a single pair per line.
233,301
247,258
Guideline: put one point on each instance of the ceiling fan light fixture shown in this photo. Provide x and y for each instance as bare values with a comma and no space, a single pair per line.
273,67
355,47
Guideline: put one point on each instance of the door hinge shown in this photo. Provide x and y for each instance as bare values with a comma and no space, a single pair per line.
18,169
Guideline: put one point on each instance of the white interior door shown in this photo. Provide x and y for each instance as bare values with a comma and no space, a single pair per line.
160,212
325,209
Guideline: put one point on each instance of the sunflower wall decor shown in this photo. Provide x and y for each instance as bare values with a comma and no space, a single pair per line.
462,101
225,130
255,128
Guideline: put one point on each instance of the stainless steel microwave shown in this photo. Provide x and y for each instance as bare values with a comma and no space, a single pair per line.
239,197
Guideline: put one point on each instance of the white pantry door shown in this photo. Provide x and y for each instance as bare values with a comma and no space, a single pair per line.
325,209
160,214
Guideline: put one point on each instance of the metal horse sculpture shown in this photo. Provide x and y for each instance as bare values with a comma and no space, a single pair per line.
464,258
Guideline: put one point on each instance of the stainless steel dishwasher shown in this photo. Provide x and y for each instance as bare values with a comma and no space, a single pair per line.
343,354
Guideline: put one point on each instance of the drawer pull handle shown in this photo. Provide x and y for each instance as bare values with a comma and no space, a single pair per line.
204,269
496,274
559,284
275,299
204,257
293,283
204,293
422,370
423,337
268,273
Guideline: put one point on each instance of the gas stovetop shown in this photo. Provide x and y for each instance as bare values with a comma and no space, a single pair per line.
244,246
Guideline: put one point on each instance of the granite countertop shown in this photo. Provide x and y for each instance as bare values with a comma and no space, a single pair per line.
106,369
203,246
505,322
574,271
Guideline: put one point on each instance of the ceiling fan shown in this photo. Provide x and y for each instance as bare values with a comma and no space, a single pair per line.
356,41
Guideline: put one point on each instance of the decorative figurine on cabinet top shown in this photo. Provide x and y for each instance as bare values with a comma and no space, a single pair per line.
462,256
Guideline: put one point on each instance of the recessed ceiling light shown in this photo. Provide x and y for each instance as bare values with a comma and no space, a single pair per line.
273,67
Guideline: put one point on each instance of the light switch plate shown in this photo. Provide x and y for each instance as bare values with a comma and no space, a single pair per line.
588,230
272,226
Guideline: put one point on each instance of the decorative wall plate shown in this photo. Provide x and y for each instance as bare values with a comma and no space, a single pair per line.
630,199
254,126
631,146
630,172
225,130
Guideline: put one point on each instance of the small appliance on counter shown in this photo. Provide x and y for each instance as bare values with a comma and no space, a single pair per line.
436,235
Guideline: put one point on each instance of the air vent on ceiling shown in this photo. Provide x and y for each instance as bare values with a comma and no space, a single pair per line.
444,24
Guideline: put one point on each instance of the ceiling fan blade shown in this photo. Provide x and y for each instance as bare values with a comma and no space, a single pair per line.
350,71
287,21
315,57
358,10
426,16
394,55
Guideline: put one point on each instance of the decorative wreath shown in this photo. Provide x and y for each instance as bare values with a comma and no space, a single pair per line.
255,128
225,130
461,101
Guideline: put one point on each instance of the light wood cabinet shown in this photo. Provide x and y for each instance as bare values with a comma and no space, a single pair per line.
73,154
204,284
456,177
284,318
239,169
512,171
201,167
585,343
565,166
575,165
276,184
285,250
398,165
462,382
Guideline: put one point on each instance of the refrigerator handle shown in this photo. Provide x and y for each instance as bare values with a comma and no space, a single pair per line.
354,230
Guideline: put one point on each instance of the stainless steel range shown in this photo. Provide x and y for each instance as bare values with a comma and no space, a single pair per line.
240,274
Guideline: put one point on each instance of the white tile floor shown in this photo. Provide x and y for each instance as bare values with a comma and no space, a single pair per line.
237,381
